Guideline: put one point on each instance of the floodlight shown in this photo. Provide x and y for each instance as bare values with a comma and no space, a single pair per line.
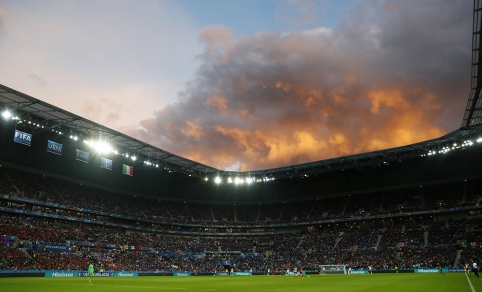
6,114
217,180
230,180
249,180
479,140
102,147
133,158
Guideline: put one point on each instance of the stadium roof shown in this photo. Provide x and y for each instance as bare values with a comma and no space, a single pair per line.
473,111
48,117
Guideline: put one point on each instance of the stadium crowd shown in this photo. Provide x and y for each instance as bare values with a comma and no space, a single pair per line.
80,197
383,244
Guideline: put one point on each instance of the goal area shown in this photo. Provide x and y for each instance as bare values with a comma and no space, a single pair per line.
332,269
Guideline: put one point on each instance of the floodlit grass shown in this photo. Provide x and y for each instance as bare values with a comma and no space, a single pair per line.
455,282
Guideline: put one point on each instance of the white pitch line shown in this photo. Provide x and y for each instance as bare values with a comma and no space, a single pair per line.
470,283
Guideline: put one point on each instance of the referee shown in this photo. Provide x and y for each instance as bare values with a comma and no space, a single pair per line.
475,269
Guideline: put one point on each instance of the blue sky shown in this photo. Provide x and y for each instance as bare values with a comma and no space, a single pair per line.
249,84
252,16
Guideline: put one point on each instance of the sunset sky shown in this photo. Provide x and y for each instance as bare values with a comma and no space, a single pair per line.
251,84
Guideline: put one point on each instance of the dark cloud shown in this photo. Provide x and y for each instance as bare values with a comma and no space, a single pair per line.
392,73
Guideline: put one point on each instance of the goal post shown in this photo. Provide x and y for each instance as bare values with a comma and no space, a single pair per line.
332,269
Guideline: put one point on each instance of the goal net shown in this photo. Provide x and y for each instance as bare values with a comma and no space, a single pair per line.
332,269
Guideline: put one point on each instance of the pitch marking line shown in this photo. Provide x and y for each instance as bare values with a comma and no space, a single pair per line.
470,283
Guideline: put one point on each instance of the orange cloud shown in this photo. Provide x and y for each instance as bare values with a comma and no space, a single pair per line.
366,85
219,102
299,148
387,98
192,130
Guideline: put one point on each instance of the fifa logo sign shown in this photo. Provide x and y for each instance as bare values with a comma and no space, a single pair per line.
22,138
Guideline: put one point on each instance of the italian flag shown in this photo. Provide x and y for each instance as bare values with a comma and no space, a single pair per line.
126,169
130,247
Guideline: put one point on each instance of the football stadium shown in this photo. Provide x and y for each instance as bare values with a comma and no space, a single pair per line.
86,208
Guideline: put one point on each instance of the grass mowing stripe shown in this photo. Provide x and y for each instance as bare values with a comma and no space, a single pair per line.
353,283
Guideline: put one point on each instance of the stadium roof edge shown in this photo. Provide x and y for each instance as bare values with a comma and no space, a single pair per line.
473,111
53,117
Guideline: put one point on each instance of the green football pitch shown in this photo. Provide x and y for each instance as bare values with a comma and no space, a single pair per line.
455,282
